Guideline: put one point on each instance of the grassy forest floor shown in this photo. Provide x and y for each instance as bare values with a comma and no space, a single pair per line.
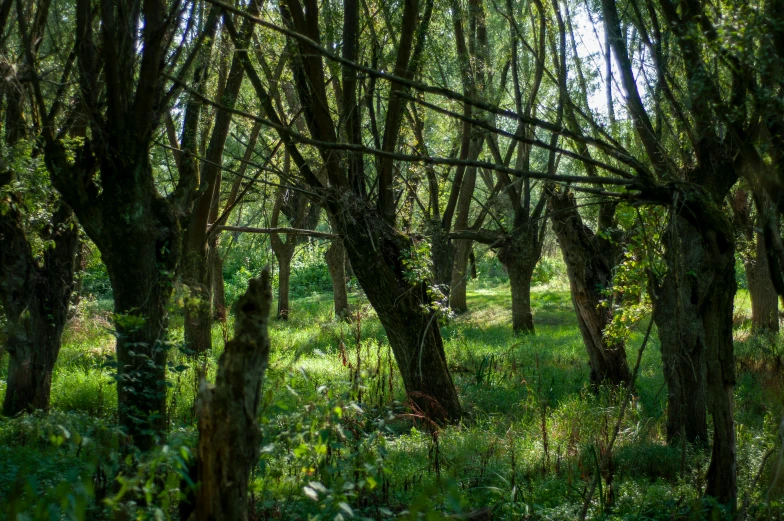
338,442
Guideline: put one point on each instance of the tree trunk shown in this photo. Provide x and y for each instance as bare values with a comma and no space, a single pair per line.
442,253
589,263
198,310
336,262
141,297
519,255
460,275
693,312
284,252
196,246
375,250
764,299
681,333
229,434
218,285
36,301
140,241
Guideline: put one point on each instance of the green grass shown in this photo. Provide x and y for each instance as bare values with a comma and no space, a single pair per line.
325,421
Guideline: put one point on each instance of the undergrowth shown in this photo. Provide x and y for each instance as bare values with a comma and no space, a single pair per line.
340,443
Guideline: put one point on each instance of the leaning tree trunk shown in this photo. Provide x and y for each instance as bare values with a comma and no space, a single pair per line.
229,434
376,252
589,262
764,299
335,257
519,254
36,301
693,312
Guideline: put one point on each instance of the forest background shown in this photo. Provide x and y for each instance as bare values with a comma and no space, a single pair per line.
526,259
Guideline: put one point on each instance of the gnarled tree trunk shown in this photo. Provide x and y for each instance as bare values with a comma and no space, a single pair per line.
693,312
589,263
35,300
229,435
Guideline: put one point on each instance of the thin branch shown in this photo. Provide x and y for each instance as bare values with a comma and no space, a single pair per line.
407,157
288,231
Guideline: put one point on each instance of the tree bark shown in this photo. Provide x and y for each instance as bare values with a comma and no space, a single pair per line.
229,434
460,275
589,263
519,254
442,253
764,299
283,253
375,251
681,333
335,257
136,260
374,247
35,300
458,298
218,284
196,246
693,312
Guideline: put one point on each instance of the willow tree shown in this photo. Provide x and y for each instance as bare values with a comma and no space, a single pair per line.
366,222
35,297
693,302
121,58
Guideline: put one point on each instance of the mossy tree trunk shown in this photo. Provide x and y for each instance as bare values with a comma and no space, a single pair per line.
229,434
35,299
693,312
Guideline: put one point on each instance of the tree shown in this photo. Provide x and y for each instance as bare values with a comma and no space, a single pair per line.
229,434
764,299
35,298
35,286
693,302
110,184
375,248
301,214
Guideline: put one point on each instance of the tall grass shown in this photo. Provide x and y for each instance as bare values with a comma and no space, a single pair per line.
339,441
